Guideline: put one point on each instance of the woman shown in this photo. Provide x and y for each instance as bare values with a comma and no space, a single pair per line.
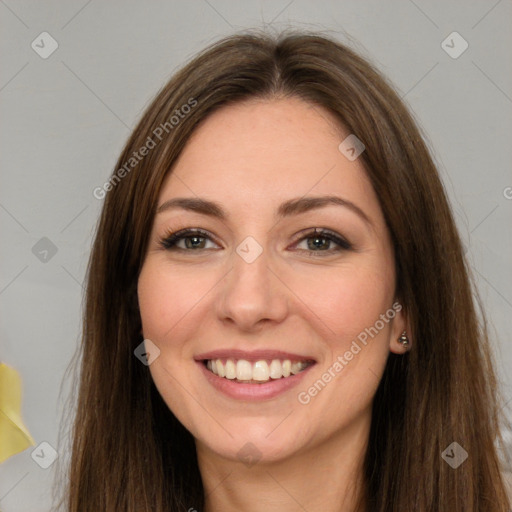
279,314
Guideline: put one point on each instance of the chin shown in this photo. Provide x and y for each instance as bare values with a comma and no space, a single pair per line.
254,442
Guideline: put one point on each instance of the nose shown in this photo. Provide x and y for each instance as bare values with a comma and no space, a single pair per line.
251,294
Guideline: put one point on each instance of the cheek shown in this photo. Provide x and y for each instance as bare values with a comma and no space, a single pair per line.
350,303
155,302
170,303
167,299
350,298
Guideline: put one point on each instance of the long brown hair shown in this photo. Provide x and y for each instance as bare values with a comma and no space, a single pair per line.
129,453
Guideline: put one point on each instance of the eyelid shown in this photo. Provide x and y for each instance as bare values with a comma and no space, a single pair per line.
340,240
171,238
172,235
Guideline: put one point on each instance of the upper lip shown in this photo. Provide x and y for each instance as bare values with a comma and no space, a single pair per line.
253,355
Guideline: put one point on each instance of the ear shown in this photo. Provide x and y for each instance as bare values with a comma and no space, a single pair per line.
400,324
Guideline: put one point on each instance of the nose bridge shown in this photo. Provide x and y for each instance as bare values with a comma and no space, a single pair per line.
251,291
251,264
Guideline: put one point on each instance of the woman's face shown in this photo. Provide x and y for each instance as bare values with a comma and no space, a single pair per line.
260,293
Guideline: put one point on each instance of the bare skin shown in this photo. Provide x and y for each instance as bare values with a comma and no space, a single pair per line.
308,298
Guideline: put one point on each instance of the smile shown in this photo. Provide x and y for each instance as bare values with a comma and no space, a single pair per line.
253,375
257,372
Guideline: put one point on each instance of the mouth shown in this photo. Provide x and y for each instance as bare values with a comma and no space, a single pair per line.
260,371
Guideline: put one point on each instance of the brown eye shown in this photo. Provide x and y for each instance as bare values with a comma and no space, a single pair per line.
194,239
320,240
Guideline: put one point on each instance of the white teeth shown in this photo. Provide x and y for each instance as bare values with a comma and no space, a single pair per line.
243,370
276,369
297,367
230,369
260,371
287,364
221,372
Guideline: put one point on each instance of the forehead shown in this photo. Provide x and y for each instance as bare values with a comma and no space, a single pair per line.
256,154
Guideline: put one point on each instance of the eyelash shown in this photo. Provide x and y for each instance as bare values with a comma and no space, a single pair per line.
170,240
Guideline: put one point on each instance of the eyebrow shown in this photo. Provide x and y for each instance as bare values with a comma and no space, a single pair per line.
286,209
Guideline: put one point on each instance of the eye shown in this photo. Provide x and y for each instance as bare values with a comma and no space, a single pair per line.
319,240
194,239
197,239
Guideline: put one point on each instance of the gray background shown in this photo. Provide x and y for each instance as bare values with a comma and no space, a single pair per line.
66,117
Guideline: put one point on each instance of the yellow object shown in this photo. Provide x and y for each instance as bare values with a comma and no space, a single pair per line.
14,436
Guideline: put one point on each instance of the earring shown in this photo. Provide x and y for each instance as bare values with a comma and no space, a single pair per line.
404,340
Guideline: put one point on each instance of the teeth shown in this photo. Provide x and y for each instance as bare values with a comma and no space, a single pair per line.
243,370
230,369
296,368
287,364
276,369
260,371
221,372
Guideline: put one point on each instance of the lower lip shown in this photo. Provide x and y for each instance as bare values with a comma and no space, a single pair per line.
265,391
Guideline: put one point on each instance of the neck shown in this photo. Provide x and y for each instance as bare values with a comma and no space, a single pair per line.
326,476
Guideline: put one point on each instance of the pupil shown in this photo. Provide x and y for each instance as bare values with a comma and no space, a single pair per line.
191,241
316,239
